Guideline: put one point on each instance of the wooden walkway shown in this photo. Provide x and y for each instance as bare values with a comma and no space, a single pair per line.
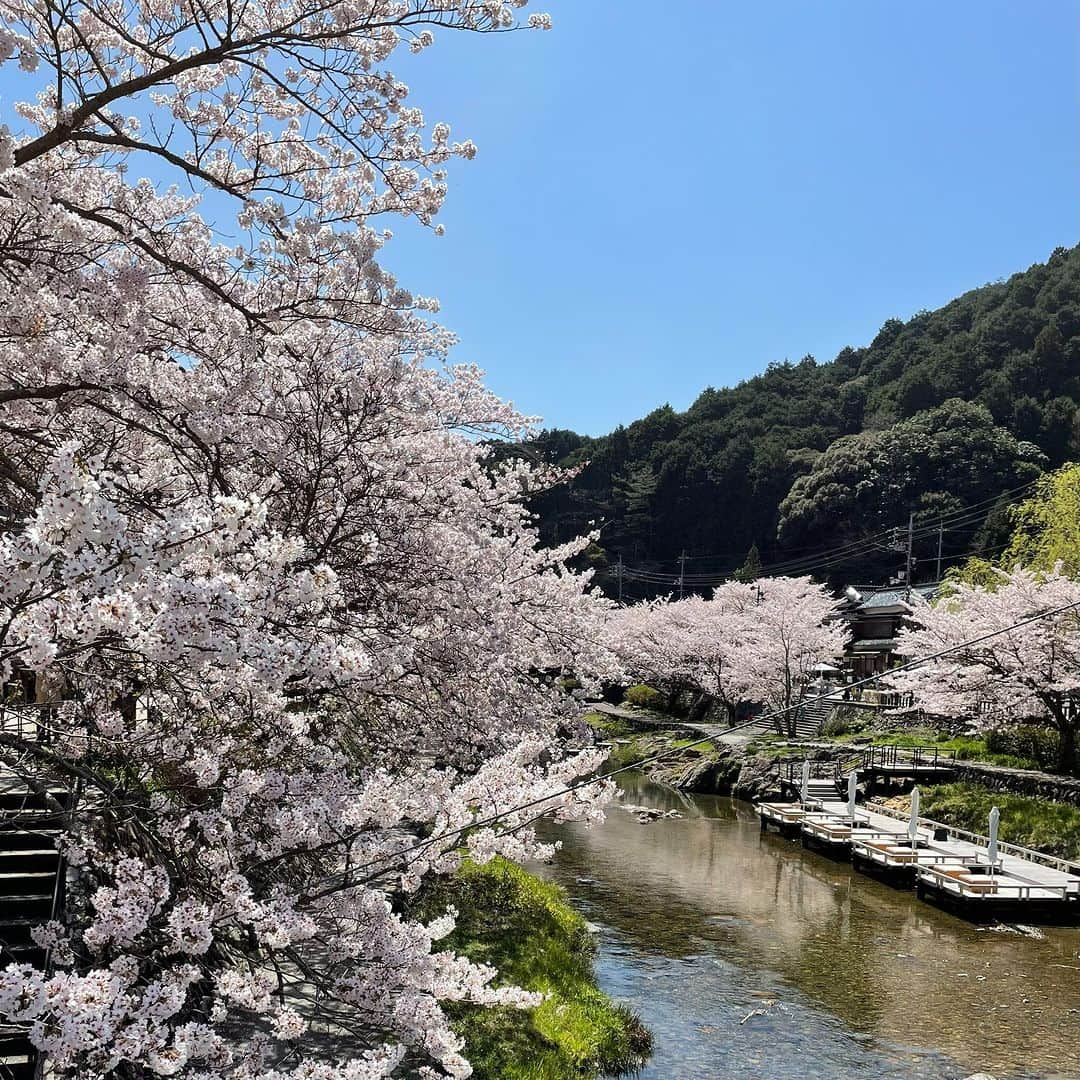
945,864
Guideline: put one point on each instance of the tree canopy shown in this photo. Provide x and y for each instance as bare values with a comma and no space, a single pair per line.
758,463
265,600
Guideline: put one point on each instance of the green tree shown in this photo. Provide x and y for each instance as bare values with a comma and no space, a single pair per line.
936,462
741,459
634,491
750,570
1046,527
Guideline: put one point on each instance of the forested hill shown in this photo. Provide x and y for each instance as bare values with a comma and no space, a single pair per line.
945,415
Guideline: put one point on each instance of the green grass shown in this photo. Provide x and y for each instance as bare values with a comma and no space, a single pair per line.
1050,827
695,744
772,746
615,727
966,747
646,744
525,928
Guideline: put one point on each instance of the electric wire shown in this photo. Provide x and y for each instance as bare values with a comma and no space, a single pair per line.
858,548
569,789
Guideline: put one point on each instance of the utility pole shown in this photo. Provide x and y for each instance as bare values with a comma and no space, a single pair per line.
682,571
940,537
910,541
618,572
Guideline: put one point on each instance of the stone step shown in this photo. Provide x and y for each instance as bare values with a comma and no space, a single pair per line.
12,840
15,930
29,860
22,954
30,800
34,883
32,820
31,906
17,1054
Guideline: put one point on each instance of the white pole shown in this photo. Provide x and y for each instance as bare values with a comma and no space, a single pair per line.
852,784
805,781
991,848
913,824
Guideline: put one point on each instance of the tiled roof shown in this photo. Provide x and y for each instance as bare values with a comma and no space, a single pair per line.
896,597
880,644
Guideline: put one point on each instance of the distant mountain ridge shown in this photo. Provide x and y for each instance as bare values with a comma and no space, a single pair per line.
939,415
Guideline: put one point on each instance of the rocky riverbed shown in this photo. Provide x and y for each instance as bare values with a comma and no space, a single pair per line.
713,768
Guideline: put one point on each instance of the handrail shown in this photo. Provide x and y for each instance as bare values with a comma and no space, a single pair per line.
1051,861
882,755
891,755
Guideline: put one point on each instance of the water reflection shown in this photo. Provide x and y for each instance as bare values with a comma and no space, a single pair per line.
706,920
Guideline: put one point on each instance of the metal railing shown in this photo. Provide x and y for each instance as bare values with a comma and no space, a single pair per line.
913,757
875,699
791,770
954,831
952,877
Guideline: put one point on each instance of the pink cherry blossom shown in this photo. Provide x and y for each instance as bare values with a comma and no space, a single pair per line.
1027,673
751,643
283,610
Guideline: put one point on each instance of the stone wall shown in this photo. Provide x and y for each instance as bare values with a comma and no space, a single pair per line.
1041,785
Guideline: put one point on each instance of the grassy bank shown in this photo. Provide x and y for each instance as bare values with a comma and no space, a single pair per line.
614,727
1035,823
633,743
525,928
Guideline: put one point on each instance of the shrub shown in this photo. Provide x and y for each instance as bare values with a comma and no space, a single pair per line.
847,721
1039,745
614,727
644,697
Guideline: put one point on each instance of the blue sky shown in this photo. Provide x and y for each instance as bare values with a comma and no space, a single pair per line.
670,196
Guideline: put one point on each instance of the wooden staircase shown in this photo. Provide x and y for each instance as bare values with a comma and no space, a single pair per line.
31,893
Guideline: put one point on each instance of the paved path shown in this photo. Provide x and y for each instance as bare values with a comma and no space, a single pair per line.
717,732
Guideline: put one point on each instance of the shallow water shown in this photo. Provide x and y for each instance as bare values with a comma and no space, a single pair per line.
703,920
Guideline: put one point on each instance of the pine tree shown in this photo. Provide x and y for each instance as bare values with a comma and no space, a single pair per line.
750,570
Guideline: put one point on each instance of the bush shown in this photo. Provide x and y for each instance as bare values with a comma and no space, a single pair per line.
614,727
644,697
1039,745
847,721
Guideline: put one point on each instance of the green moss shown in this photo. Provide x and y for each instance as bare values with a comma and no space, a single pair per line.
626,753
1050,827
525,928
615,727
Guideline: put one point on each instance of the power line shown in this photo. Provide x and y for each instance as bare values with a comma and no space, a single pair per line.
650,578
831,557
659,756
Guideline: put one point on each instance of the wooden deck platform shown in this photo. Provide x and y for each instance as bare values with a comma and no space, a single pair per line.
946,865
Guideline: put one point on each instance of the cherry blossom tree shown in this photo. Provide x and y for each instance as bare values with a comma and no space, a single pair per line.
1030,674
751,643
275,612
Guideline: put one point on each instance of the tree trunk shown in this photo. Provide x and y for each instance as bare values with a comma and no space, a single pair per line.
1067,749
699,708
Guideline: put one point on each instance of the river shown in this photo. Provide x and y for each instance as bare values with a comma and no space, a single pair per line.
750,957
